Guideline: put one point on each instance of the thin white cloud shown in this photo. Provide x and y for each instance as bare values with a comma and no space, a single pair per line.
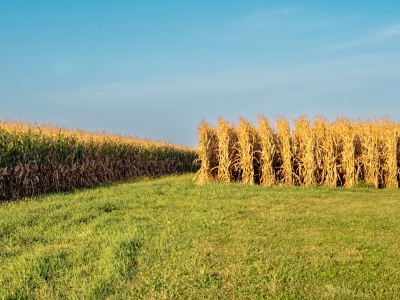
389,32
291,18
264,18
355,75
378,37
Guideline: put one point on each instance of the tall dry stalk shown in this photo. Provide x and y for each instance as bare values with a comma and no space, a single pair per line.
390,137
304,152
247,146
208,145
347,134
371,144
285,151
268,148
325,153
227,153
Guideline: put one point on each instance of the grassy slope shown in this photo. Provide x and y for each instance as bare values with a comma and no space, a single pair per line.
170,238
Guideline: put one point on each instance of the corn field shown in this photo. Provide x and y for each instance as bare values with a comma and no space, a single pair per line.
39,159
319,152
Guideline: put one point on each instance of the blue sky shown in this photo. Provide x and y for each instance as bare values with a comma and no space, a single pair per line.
155,68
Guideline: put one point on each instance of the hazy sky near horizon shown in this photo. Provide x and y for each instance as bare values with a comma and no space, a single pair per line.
156,68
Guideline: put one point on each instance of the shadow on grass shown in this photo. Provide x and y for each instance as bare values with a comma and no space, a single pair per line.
126,254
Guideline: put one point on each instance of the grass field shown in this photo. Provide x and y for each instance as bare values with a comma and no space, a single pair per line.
170,238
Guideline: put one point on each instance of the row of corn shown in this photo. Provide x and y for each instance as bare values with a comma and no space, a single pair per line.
306,153
38,159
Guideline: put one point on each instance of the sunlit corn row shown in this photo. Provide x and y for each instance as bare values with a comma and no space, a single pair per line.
38,159
308,153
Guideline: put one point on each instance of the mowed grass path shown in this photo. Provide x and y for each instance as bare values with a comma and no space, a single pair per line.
172,239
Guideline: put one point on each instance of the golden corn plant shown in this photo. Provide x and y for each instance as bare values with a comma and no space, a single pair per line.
347,135
326,153
268,147
285,151
208,147
227,152
339,153
248,145
304,152
390,137
371,147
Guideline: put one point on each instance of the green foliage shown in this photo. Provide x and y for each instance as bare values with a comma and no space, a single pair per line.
37,160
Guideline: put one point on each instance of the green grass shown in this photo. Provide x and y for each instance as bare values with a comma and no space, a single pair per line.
172,239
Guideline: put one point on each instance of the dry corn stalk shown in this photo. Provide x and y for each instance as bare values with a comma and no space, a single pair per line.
227,153
326,152
371,144
207,152
304,148
247,146
347,135
389,154
268,148
333,154
285,151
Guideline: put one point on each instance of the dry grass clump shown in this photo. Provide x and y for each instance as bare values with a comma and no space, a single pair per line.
319,152
37,159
